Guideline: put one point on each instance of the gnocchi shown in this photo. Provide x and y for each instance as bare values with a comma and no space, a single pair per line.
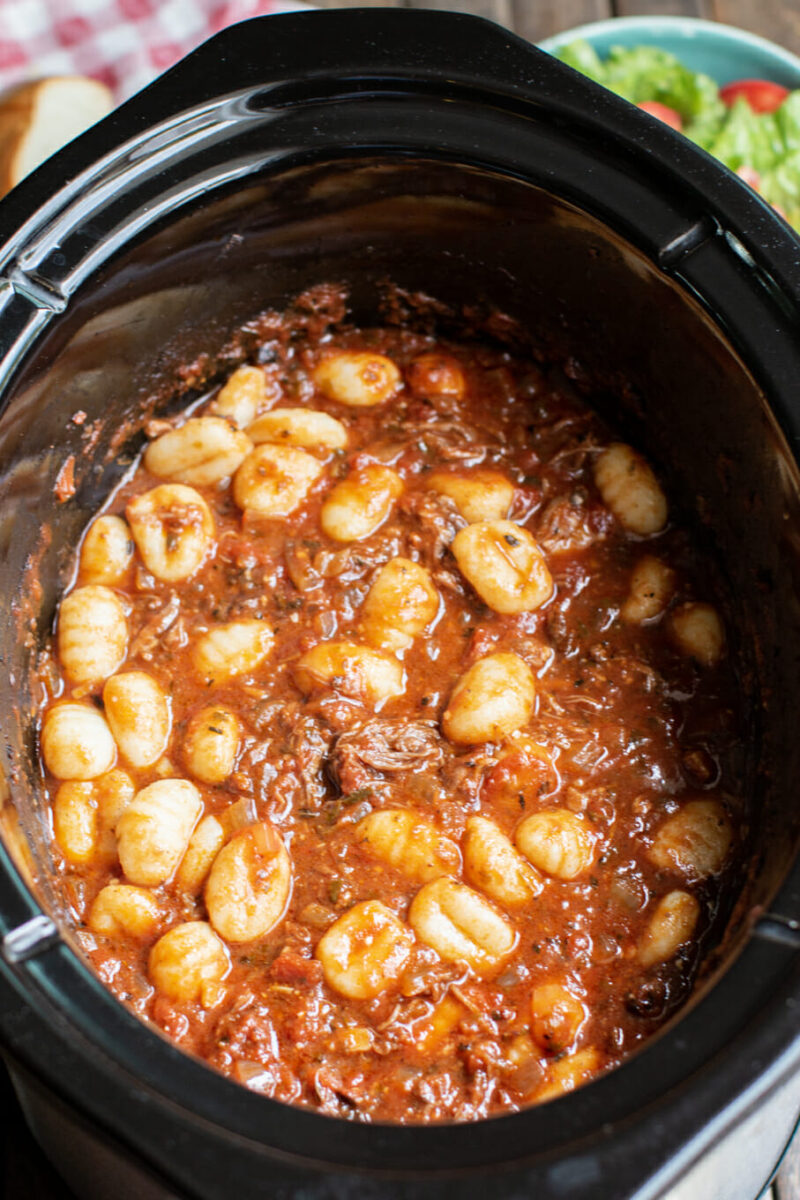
651,587
154,830
694,841
357,378
504,564
75,823
120,910
356,671
494,867
76,742
212,744
233,649
490,700
202,451
556,1017
558,842
479,496
698,632
434,375
249,884
107,551
565,1074
671,925
274,480
406,841
204,846
365,951
138,713
243,396
359,505
92,634
299,427
629,488
401,603
189,963
173,530
85,816
461,926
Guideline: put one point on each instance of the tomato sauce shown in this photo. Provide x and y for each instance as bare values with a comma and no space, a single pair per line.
632,726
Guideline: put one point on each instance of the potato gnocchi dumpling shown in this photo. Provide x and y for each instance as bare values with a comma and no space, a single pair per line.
249,884
400,604
494,867
299,427
364,952
357,378
274,480
384,768
92,634
233,649
698,632
694,841
203,451
121,910
106,552
154,830
212,742
137,711
504,564
357,671
359,505
76,742
173,530
478,496
405,840
243,396
436,375
557,1015
671,925
461,926
652,584
558,842
630,489
493,698
189,963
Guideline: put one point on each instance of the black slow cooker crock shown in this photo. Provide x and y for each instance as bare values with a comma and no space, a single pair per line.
439,153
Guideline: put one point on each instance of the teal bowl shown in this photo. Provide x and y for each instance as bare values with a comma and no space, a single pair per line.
724,53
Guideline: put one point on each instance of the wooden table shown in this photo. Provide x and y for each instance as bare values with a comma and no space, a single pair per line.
778,20
537,19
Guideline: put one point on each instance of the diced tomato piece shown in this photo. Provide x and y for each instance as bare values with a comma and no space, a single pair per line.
664,113
762,95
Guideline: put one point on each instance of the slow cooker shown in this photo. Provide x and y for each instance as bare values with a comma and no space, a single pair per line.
440,153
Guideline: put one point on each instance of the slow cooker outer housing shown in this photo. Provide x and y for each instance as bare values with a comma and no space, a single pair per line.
437,151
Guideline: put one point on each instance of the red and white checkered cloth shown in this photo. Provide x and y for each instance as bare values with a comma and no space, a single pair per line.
123,43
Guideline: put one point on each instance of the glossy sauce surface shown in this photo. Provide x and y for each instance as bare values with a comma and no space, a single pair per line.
415,803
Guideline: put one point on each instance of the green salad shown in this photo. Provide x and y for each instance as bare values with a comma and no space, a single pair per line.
752,126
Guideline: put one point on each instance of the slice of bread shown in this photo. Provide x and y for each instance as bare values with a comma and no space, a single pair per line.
40,117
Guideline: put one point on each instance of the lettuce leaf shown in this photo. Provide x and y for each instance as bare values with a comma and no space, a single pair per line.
748,139
769,143
648,73
781,186
583,57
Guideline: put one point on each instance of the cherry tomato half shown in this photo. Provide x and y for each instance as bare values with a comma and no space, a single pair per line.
762,95
664,113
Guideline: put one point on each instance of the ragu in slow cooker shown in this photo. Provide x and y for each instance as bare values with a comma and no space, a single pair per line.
389,742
